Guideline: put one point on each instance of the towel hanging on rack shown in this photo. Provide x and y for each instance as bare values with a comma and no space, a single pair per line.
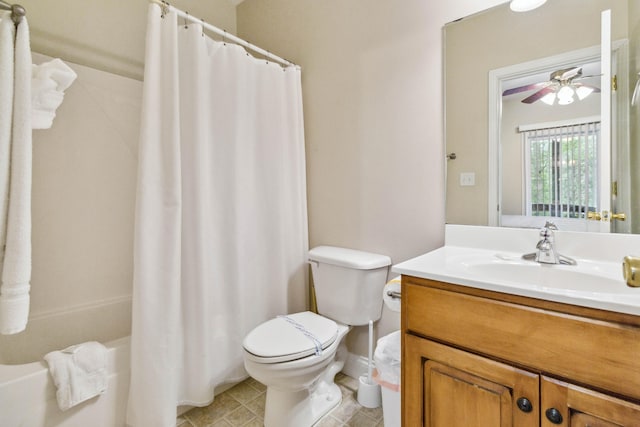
15,175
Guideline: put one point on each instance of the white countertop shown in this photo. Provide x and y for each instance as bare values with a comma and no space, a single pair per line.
592,283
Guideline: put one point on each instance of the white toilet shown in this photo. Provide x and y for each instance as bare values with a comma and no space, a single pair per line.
297,356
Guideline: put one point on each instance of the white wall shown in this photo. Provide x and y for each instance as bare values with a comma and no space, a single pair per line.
108,35
372,87
84,175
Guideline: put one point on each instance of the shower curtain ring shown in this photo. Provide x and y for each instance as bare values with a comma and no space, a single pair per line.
202,26
224,37
164,9
185,19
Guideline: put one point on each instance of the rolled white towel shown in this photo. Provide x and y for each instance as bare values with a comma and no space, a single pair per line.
79,372
49,81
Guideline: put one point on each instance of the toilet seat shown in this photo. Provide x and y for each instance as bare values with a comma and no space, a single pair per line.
290,337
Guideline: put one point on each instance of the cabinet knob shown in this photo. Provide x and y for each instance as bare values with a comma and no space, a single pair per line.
554,415
524,404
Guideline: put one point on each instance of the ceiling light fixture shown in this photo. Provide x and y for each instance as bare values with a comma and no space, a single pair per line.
549,98
525,5
583,92
565,95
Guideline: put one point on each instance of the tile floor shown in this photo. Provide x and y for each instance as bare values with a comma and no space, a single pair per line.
243,405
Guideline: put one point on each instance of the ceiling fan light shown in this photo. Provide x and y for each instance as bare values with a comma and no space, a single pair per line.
565,95
583,92
565,101
525,5
549,98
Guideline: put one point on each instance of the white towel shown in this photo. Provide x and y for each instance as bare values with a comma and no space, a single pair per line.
79,372
50,80
7,34
16,263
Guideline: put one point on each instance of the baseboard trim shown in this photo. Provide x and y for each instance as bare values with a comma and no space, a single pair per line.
355,366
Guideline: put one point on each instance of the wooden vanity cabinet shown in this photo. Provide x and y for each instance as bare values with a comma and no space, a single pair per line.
474,358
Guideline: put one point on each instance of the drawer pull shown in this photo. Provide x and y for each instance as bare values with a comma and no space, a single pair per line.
554,415
524,404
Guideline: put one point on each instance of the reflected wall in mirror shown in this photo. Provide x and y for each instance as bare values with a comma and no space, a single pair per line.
562,35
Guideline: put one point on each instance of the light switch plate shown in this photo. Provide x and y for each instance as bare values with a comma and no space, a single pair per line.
467,179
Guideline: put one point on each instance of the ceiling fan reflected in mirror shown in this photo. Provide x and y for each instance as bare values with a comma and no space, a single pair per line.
563,86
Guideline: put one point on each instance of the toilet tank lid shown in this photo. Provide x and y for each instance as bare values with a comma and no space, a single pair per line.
349,258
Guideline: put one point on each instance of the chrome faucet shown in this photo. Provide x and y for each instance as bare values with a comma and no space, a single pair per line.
546,250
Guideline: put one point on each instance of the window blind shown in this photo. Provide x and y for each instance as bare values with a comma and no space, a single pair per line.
561,169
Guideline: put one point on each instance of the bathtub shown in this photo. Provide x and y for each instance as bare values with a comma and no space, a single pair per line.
27,392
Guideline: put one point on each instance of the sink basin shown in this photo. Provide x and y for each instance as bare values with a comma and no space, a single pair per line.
584,277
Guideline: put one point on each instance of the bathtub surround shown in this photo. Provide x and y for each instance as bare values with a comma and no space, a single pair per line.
220,229
15,177
83,203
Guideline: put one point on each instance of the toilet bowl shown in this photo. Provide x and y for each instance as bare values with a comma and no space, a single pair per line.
300,389
298,355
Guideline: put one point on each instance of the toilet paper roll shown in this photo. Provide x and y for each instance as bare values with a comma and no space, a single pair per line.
392,303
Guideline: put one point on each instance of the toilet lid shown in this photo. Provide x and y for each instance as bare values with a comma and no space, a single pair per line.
291,337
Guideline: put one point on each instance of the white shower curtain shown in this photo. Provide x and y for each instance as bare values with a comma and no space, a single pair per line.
220,229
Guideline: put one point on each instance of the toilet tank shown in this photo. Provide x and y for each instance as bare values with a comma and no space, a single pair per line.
348,283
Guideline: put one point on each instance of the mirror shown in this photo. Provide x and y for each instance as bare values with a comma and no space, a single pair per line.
481,53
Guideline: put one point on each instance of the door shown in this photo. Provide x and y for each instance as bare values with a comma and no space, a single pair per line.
568,405
460,389
605,120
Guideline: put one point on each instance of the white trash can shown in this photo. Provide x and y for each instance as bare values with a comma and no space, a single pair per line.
387,374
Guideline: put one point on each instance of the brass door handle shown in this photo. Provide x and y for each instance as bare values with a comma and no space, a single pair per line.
619,216
594,216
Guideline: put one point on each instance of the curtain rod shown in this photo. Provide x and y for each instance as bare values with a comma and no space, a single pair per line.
185,15
17,11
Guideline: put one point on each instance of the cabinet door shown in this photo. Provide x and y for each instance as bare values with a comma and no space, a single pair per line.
568,405
447,387
456,398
